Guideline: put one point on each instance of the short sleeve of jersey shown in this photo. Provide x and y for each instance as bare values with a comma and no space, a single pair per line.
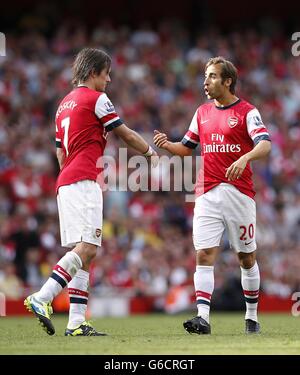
191,138
106,113
256,128
57,137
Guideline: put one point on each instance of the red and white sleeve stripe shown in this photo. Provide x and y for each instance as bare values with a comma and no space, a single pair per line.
256,128
106,113
191,138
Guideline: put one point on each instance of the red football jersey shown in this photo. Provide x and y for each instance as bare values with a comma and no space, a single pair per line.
225,134
82,121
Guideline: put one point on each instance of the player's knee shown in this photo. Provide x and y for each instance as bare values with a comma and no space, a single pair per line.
205,258
86,251
90,251
247,260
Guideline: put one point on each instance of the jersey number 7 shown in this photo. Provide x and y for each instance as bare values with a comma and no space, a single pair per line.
65,124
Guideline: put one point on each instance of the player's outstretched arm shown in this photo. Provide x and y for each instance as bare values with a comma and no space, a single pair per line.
134,140
176,148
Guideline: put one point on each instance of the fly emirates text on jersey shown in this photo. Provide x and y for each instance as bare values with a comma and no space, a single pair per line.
220,147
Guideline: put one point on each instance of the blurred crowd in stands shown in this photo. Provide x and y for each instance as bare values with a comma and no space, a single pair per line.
157,83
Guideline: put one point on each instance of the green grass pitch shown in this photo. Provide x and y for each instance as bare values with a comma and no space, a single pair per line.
154,334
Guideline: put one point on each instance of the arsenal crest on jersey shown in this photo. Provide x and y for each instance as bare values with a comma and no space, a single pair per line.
98,232
232,121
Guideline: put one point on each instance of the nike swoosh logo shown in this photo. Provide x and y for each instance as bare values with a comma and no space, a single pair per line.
203,122
248,243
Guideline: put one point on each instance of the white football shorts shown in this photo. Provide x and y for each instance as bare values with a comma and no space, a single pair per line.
225,207
80,209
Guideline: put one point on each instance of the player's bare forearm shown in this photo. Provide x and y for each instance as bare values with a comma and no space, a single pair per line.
176,148
135,141
236,169
261,150
60,157
132,138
